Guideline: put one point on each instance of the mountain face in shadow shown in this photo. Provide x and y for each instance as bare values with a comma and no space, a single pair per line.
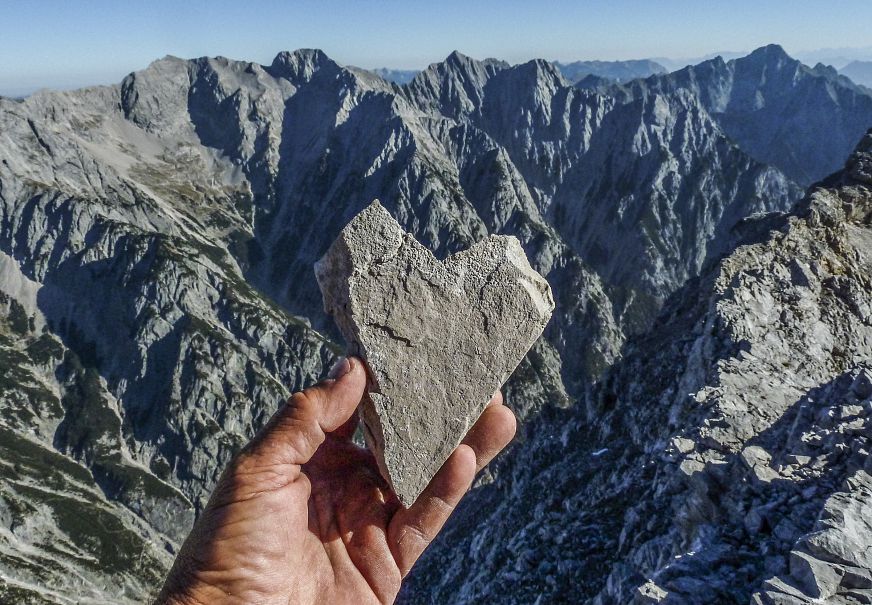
800,119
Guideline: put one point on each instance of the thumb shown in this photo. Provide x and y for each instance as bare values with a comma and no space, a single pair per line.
295,432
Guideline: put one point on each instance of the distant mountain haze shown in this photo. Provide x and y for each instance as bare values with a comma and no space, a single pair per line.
859,71
837,57
618,71
398,76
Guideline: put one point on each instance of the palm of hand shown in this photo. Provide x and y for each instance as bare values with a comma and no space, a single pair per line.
303,515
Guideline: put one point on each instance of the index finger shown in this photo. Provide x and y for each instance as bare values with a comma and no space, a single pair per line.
492,432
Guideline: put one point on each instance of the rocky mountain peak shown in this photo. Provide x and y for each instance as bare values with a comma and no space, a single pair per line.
462,67
301,64
455,57
771,53
524,87
825,70
454,85
746,96
462,61
768,67
543,70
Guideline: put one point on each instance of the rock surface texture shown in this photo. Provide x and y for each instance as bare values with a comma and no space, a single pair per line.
157,304
439,336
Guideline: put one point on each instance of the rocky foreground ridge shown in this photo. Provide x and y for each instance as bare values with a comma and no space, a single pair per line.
723,459
157,303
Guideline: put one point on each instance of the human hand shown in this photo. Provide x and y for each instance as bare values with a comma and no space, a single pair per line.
302,514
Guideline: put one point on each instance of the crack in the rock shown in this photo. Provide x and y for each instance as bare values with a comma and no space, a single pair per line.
390,332
39,139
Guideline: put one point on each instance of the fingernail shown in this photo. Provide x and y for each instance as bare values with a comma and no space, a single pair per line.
339,369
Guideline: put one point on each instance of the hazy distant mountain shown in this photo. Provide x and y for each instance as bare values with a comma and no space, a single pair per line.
674,64
398,76
859,71
157,303
837,57
16,93
618,71
781,112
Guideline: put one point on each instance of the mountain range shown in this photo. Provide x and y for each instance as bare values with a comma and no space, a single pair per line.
398,76
747,96
837,57
618,71
157,303
859,71
723,459
614,71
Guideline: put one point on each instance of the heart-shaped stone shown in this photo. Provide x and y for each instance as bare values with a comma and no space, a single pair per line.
439,337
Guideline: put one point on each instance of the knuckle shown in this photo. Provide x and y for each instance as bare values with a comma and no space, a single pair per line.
309,399
393,585
444,507
415,533
296,434
251,474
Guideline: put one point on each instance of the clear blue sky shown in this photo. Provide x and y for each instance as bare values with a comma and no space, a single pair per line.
72,43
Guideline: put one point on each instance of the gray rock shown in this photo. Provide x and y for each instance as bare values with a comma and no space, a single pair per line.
831,564
816,578
860,165
439,336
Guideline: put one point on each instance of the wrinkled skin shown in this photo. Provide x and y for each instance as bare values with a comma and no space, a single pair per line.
302,515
